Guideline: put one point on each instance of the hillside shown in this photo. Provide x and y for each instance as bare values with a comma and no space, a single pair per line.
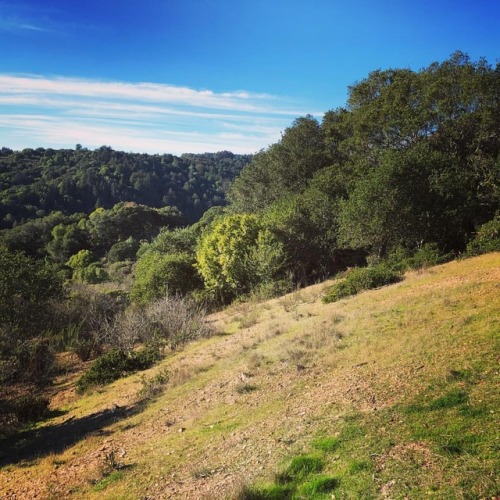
37,182
396,390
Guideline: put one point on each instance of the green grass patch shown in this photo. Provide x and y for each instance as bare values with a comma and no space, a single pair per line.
453,398
266,492
317,487
302,466
326,444
106,481
356,466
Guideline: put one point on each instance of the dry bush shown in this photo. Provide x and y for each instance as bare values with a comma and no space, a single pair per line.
172,321
177,320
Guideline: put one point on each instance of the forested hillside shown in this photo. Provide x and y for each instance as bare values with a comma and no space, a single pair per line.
35,183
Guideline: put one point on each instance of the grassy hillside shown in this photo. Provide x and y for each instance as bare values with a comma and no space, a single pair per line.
392,393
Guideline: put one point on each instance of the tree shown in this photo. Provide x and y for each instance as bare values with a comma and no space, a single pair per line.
423,160
27,288
283,169
236,254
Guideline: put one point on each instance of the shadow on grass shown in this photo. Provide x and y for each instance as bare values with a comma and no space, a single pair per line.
32,444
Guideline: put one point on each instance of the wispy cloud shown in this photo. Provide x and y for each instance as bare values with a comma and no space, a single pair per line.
147,117
25,18
14,24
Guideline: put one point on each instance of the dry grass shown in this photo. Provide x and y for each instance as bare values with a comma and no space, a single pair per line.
368,371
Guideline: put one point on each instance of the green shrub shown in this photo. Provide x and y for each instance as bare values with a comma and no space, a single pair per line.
143,358
157,274
114,365
123,250
487,238
426,256
154,386
362,278
92,274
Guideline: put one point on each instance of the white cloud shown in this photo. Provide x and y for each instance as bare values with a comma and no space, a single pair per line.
146,117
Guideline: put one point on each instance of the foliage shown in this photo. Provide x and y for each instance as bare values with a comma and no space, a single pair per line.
23,409
154,386
114,365
157,274
171,320
412,158
175,320
487,238
27,289
84,318
426,256
34,183
283,169
35,360
360,279
123,250
236,254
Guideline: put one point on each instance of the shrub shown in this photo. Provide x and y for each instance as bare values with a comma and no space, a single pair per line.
35,360
487,238
169,321
176,321
123,250
28,289
156,274
426,256
85,317
24,409
114,365
120,272
237,254
153,387
360,279
92,274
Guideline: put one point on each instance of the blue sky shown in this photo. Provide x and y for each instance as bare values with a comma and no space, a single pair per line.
175,76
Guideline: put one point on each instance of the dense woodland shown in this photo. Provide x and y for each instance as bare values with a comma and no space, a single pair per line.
409,168
36,183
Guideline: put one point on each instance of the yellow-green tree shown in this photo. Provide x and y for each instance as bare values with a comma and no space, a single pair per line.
236,254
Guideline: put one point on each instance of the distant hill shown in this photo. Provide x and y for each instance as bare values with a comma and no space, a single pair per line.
36,182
